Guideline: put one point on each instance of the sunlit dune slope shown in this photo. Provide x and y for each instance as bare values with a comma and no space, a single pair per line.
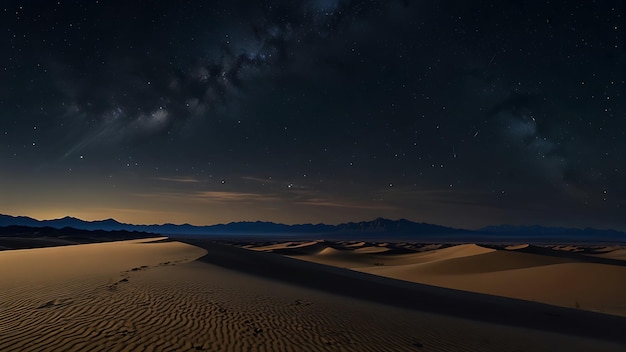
91,261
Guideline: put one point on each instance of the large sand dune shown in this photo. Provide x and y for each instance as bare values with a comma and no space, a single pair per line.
554,275
170,296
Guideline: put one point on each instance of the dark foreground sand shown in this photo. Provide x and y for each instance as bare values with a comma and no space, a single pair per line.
170,296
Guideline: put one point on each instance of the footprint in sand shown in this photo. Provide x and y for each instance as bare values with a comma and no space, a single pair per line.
301,302
417,344
56,303
113,286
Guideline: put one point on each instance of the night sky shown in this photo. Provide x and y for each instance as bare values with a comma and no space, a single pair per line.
459,113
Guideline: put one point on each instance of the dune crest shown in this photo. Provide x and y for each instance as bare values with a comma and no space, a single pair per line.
516,247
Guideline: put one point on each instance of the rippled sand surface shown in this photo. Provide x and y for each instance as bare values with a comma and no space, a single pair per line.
171,296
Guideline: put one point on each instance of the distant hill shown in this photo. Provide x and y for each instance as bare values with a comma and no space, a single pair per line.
380,228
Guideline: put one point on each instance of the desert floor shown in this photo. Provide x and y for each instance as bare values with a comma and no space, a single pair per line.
163,295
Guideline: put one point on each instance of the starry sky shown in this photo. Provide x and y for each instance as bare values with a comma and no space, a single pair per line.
458,113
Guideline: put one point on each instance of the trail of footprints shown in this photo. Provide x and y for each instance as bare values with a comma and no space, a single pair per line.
125,275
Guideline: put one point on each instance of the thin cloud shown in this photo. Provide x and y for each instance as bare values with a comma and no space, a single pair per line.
223,196
258,179
328,202
178,179
214,197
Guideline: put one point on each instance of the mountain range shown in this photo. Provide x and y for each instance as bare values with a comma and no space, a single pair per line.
379,228
246,227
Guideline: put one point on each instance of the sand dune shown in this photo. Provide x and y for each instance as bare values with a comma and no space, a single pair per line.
88,261
294,248
371,249
618,254
171,296
360,254
491,261
516,247
543,274
594,287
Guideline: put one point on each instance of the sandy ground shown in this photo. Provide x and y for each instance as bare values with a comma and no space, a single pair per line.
171,296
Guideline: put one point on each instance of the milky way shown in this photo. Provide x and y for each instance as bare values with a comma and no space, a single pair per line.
456,113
